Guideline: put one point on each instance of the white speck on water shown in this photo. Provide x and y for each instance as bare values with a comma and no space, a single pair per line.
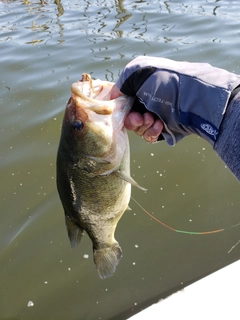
136,246
190,220
139,167
69,269
160,175
45,282
134,263
135,303
183,194
161,188
106,289
163,207
30,304
86,256
152,154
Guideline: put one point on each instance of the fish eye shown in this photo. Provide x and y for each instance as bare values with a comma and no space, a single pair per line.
78,125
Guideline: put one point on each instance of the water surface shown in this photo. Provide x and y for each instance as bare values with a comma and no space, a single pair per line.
45,47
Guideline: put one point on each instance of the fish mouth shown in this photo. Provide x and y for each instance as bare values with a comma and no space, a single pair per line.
91,104
89,100
95,115
80,89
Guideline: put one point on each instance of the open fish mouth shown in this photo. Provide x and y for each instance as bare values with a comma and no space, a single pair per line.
86,94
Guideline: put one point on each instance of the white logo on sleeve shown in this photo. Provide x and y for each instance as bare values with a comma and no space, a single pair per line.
158,99
209,129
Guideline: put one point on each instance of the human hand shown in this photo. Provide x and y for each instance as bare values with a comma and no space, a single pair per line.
144,125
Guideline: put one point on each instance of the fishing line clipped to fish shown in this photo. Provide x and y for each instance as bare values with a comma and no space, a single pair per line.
184,231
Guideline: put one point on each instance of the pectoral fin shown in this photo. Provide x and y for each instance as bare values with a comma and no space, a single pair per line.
74,232
129,179
99,160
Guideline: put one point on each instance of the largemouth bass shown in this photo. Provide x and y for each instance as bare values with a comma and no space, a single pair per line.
93,169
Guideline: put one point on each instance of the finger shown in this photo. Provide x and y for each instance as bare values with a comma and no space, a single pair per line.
152,134
115,92
133,120
148,121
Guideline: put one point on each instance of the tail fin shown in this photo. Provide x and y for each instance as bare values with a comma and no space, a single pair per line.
107,259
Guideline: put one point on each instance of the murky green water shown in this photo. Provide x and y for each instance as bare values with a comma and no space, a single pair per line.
45,46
